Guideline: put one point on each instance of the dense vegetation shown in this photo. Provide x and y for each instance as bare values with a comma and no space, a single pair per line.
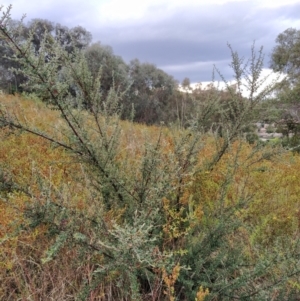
95,207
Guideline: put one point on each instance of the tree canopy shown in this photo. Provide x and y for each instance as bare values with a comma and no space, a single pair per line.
285,56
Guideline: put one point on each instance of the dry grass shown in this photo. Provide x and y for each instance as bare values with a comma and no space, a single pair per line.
26,159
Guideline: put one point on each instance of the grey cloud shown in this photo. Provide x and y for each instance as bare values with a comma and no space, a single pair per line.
199,71
185,42
67,12
190,36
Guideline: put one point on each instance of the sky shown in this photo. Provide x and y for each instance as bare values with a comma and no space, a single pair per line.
183,38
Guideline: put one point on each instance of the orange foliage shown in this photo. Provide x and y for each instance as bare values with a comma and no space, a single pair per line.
272,185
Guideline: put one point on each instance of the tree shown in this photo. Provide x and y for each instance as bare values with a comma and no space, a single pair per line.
285,55
186,84
11,81
37,30
285,58
150,92
113,70
69,38
76,37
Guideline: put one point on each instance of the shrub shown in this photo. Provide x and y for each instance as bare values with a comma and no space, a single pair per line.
136,212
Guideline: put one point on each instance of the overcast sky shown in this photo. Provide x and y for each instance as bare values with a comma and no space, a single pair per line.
184,38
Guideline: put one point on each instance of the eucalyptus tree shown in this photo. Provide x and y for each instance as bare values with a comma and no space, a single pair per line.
114,71
151,92
285,58
36,30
